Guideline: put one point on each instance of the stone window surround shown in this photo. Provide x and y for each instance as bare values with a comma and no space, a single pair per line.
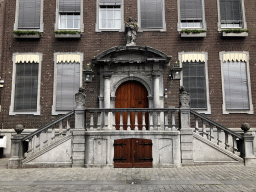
203,21
219,22
11,110
54,112
224,110
57,18
208,110
164,23
97,28
17,17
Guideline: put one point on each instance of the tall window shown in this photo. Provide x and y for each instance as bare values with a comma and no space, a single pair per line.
195,84
195,79
26,86
69,14
231,14
191,13
25,96
236,83
110,15
67,81
28,15
151,14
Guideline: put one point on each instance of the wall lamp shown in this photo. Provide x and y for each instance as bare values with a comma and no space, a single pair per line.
175,73
88,75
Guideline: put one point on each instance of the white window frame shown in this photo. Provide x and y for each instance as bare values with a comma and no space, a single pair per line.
57,19
139,19
97,25
54,111
208,110
203,19
224,110
219,17
11,109
41,29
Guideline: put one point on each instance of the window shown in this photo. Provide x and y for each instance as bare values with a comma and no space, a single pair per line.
191,14
68,79
26,84
110,15
68,15
235,83
195,80
151,15
29,15
231,14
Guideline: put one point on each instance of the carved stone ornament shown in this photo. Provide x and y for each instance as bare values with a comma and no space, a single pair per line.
80,99
131,31
19,128
245,127
184,98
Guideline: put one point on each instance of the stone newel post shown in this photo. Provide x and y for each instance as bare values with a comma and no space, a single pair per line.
247,146
186,134
79,131
17,149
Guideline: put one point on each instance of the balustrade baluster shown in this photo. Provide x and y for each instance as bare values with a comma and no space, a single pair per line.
33,143
121,121
30,144
38,141
53,134
211,132
143,121
173,121
60,128
106,123
113,115
158,121
45,141
166,127
151,126
196,125
91,120
218,136
68,123
226,140
204,133
128,122
234,144
136,121
99,120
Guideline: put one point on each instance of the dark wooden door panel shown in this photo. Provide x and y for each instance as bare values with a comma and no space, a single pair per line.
133,153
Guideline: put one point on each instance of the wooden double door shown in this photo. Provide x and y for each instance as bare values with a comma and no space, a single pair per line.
131,94
133,153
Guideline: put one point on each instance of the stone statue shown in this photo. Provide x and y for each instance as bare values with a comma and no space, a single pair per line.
131,29
80,98
184,98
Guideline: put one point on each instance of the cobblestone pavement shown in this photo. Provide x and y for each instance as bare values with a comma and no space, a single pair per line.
193,178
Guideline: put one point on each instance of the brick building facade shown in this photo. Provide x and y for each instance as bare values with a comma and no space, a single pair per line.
167,38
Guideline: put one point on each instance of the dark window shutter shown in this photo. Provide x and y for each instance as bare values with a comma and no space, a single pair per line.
68,83
26,86
73,6
29,14
191,10
151,12
230,11
195,83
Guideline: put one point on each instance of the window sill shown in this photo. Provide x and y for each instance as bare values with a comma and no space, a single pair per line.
63,36
243,34
36,36
193,34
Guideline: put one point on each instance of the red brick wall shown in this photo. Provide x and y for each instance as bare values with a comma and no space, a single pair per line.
93,43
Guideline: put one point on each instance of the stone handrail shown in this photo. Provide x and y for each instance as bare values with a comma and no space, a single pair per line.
220,140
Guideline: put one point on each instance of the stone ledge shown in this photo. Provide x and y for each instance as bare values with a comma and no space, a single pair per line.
244,34
36,36
193,34
63,36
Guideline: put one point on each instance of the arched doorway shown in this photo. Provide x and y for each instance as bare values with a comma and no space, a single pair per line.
131,94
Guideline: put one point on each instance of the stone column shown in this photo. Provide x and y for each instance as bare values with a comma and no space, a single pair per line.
78,155
16,152
156,90
186,134
107,119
